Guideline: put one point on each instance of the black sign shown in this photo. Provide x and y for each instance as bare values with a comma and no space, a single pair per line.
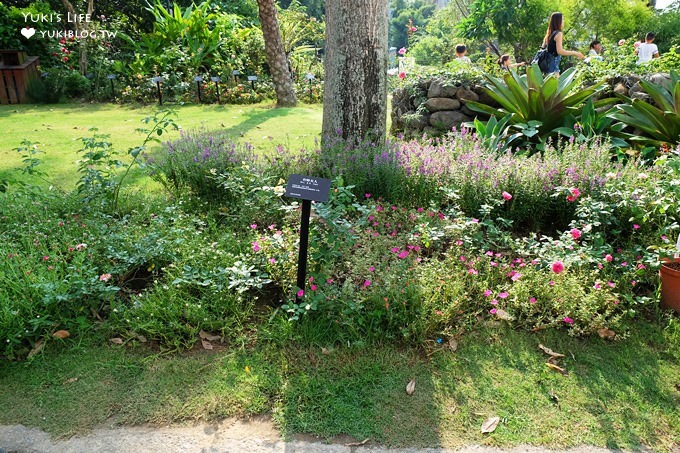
308,187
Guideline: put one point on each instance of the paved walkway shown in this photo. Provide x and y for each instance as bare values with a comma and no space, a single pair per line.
254,436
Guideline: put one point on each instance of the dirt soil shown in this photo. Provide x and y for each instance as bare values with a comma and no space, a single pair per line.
255,435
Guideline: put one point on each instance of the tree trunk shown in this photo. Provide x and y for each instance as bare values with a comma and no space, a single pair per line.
276,56
355,90
80,27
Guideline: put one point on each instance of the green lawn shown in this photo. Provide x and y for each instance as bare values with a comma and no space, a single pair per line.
58,127
619,394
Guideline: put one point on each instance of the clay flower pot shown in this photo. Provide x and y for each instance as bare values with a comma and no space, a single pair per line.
670,283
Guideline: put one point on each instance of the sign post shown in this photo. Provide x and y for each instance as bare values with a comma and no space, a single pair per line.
217,87
252,79
307,188
158,79
198,79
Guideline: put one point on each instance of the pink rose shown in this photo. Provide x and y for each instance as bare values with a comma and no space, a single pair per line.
557,267
507,196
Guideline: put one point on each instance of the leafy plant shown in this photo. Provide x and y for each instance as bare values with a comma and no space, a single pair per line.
661,122
547,102
494,133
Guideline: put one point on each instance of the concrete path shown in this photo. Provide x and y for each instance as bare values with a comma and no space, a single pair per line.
256,435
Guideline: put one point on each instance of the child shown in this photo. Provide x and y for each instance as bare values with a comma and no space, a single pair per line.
595,52
647,50
461,52
504,63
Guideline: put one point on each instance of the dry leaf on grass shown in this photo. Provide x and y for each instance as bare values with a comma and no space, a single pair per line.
207,336
550,352
63,334
504,315
325,351
490,424
206,344
70,380
561,370
116,340
606,333
357,444
453,345
411,387
37,348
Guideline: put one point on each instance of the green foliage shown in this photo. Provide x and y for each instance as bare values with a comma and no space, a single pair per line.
660,122
520,25
537,106
412,14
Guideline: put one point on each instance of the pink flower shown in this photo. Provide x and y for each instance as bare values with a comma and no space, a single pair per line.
557,267
394,249
367,195
568,320
487,293
636,226
402,75
608,258
402,51
575,233
551,283
492,311
367,283
81,247
611,284
329,281
253,226
506,196
622,42
403,254
256,246
494,302
575,192
105,277
371,269
272,260
45,258
503,295
516,276
597,286
532,300
301,293
313,287
472,271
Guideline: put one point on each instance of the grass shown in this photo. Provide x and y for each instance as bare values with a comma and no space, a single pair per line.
58,127
617,394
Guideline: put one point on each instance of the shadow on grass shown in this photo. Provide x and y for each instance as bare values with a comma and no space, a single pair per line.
617,394
255,117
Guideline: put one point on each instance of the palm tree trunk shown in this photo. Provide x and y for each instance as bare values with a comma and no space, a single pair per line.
276,56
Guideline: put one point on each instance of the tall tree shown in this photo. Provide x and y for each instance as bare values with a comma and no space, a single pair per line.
355,90
276,55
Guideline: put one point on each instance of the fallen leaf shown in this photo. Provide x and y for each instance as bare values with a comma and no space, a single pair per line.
71,380
411,387
550,352
206,344
453,345
557,368
357,444
206,336
504,315
490,424
36,348
325,351
116,340
606,333
63,334
142,338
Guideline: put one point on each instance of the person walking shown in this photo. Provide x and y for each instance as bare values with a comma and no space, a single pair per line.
553,40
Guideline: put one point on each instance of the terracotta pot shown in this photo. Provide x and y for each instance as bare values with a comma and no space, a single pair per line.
670,284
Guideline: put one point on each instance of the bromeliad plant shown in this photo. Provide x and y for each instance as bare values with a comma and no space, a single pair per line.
538,107
661,122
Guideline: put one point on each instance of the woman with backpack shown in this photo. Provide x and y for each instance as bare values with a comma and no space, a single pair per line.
553,40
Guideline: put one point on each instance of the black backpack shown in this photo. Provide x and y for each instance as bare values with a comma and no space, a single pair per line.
543,57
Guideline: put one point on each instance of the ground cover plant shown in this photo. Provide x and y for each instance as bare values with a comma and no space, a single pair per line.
423,244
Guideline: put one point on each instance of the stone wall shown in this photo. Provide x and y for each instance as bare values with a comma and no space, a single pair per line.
434,106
